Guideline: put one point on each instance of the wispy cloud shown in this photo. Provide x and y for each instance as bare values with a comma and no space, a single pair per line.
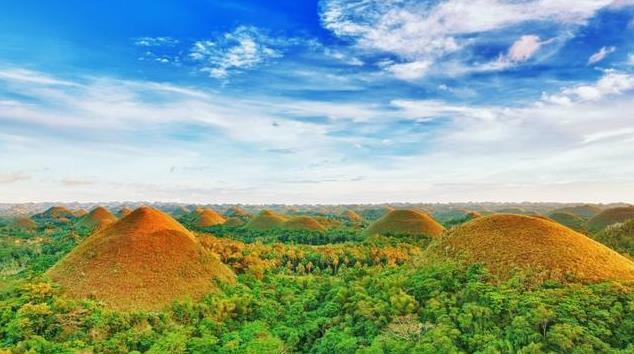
8,178
70,182
155,41
600,55
242,49
611,83
420,33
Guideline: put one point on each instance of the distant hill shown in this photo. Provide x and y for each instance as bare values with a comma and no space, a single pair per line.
610,216
405,222
569,220
97,218
585,211
266,220
305,223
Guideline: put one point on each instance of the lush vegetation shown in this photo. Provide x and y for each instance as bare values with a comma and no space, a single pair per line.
314,292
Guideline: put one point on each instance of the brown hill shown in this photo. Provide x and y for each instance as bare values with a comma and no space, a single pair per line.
142,262
58,213
569,220
609,217
352,216
266,220
24,223
405,222
237,212
207,217
585,211
98,218
234,221
79,212
123,212
304,223
506,242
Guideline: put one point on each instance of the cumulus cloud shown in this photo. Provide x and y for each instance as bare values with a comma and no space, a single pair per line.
611,83
420,32
600,55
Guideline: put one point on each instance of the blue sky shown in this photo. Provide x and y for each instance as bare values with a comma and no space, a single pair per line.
317,101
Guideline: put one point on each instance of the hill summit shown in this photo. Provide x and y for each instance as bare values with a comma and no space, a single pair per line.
405,222
305,223
142,262
505,242
266,220
98,218
207,217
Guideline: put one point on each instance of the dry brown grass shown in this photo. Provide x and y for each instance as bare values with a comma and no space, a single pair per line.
352,216
305,223
237,212
57,212
508,242
24,223
266,220
123,212
405,222
208,217
98,218
142,262
609,217
234,221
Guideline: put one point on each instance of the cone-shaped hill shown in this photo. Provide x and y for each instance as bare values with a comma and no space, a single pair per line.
142,262
585,211
79,212
405,222
568,219
23,223
266,220
237,212
56,213
207,217
352,216
304,223
234,222
123,212
98,218
549,250
609,217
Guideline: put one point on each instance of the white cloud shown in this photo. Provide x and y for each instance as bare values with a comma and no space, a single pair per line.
524,48
422,32
630,59
244,48
611,83
410,71
600,55
155,41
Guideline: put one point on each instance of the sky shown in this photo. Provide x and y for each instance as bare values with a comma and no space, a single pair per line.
331,101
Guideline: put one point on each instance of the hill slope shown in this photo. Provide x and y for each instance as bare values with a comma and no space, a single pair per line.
405,222
505,242
144,261
305,223
609,217
97,218
266,220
